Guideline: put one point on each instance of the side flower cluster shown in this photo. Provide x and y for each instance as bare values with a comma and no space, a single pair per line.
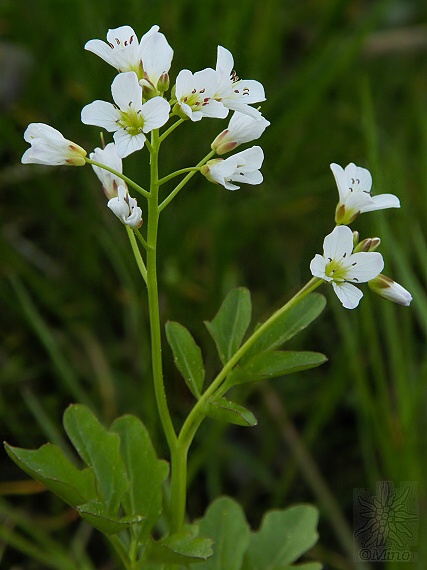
346,261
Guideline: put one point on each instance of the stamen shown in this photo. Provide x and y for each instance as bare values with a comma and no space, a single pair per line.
194,91
202,90
353,264
236,91
130,39
111,45
345,254
117,41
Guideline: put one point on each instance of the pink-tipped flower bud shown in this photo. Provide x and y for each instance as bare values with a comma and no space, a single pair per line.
368,244
389,289
241,129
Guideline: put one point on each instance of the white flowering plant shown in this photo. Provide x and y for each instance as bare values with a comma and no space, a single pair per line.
124,490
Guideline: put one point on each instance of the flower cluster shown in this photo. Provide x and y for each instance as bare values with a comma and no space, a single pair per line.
139,106
345,260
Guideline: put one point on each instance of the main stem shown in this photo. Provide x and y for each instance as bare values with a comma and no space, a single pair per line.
153,295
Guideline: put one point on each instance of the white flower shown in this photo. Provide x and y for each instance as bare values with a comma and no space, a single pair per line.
108,156
234,93
339,265
354,188
156,56
129,118
390,290
241,167
126,208
49,147
122,50
241,129
194,94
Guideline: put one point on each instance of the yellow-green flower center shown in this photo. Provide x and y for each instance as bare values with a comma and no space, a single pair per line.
335,270
131,121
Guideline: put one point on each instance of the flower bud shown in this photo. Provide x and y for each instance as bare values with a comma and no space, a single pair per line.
148,89
355,238
368,244
126,208
48,146
241,129
389,289
163,82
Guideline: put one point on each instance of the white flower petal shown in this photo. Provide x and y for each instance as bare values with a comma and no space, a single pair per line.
155,112
41,130
358,178
241,107
253,177
156,56
340,179
348,294
119,205
339,243
247,91
381,202
318,266
101,114
357,201
224,61
109,157
252,157
364,266
214,109
184,83
121,51
126,91
127,144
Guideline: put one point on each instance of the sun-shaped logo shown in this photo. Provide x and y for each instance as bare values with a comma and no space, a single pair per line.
388,520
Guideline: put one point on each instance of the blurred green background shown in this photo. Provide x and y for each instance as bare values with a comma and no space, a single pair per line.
346,81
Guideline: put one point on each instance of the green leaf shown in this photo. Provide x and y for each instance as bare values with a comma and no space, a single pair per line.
96,515
225,523
49,465
274,363
99,449
289,324
145,472
187,355
282,538
231,322
230,412
179,548
307,566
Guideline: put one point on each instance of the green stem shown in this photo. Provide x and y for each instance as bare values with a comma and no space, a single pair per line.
141,239
137,254
153,296
128,181
184,181
121,551
196,416
177,173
